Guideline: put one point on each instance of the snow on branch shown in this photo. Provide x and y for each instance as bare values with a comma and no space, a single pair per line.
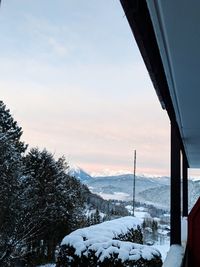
98,245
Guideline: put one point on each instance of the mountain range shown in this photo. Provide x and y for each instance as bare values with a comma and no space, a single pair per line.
149,189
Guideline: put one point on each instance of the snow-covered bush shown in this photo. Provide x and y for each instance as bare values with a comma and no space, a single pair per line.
97,246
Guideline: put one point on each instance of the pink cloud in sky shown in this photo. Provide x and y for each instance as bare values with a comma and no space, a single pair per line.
77,85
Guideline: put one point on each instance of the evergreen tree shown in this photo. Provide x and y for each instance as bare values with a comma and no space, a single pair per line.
53,199
75,202
154,226
154,230
44,186
9,127
11,149
43,197
97,217
10,163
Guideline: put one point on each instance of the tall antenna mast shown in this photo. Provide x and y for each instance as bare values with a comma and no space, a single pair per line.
134,182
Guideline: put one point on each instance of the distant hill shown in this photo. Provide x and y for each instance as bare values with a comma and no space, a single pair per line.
159,196
121,187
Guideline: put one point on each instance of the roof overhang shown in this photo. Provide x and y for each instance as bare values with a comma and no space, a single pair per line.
168,35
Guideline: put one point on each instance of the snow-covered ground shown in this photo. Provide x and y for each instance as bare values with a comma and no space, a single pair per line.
140,212
115,195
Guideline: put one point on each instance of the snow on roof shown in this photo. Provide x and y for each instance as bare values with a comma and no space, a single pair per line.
141,209
163,232
99,238
142,214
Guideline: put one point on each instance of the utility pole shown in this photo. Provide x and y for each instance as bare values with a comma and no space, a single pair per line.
134,170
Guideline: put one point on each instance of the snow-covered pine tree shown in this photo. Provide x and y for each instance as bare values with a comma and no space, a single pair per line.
10,163
11,149
10,127
75,199
97,217
52,199
39,196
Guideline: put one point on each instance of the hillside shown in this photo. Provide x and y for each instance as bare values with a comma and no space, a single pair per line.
120,187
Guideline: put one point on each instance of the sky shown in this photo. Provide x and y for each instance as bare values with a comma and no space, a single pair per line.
73,78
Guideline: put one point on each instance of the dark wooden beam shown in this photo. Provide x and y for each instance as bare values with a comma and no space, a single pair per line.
175,188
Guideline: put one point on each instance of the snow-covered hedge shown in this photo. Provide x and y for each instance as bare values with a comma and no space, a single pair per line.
97,245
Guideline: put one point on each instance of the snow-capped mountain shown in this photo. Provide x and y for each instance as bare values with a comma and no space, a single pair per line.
80,174
108,172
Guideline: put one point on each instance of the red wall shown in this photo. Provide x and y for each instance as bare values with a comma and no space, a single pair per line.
194,235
